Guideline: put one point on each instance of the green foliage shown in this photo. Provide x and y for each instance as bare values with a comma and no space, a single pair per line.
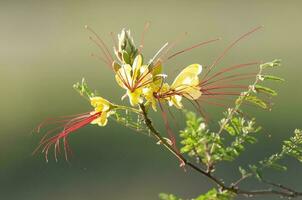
164,196
257,101
265,90
270,78
251,95
199,142
243,132
211,147
291,147
213,194
272,64
83,89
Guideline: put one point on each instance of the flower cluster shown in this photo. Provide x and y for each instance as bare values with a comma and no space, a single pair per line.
145,80
145,85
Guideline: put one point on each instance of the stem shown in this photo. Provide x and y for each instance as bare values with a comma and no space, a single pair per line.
240,100
284,192
184,161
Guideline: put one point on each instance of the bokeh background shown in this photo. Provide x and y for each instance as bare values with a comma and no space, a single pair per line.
44,49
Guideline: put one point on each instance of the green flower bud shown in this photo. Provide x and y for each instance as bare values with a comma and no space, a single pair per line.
127,50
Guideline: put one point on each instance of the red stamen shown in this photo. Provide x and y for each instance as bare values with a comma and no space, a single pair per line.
192,47
225,51
115,43
141,46
223,93
171,45
214,103
109,59
224,87
101,44
69,127
231,78
222,71
168,128
101,59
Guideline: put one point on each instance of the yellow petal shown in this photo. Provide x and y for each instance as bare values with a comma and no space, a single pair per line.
135,97
176,101
123,76
137,63
101,120
192,93
188,76
100,104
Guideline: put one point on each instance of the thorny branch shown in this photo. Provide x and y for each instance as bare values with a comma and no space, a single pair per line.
281,190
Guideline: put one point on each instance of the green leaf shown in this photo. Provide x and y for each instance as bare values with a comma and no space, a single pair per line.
116,66
164,196
266,90
83,89
257,101
197,141
242,171
274,63
256,171
215,195
272,78
126,57
278,167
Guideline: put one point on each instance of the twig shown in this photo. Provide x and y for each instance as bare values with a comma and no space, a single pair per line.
240,100
157,135
235,184
284,192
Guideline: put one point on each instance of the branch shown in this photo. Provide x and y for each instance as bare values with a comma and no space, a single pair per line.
283,192
269,191
184,161
240,100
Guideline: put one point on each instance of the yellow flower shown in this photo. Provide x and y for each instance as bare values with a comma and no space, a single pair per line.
103,107
186,85
134,79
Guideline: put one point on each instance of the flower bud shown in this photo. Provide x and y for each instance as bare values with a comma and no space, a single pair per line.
127,50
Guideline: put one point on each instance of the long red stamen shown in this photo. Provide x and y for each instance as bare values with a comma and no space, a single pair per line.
232,78
169,130
213,103
102,59
109,60
101,44
223,93
141,46
115,43
192,47
226,50
217,87
171,45
70,126
222,71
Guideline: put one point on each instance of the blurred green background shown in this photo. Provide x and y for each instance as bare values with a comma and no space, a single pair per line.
44,49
